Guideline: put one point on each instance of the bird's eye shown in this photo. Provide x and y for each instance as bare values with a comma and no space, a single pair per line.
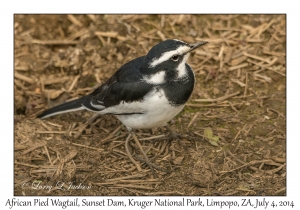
175,57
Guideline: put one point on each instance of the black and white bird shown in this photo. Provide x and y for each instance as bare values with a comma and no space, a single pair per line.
146,92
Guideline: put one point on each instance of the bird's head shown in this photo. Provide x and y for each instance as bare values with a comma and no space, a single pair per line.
167,60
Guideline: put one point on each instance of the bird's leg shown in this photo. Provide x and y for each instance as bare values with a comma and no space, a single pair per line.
143,152
173,134
141,149
139,145
176,136
129,154
145,160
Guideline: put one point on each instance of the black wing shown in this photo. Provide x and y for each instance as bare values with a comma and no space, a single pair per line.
125,85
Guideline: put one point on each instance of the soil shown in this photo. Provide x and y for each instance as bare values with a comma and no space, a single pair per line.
232,132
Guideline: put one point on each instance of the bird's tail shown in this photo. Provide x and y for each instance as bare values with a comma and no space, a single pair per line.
70,106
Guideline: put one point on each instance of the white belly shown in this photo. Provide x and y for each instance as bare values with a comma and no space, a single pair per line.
155,108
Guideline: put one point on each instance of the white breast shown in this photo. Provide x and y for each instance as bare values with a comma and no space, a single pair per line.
155,108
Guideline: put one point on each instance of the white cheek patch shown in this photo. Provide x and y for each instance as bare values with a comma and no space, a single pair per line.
181,67
157,78
167,55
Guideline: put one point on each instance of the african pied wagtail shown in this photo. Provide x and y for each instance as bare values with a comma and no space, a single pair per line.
146,92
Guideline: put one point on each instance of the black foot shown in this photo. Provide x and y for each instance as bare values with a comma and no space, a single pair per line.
173,135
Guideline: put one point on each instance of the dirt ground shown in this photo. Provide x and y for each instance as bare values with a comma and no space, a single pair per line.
233,128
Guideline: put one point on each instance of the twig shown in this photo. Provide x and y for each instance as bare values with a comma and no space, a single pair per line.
54,124
34,148
146,181
262,29
161,35
209,105
129,154
279,160
74,20
232,155
160,151
268,162
69,156
25,164
193,119
238,133
152,165
153,137
107,139
267,79
77,34
245,165
256,57
218,99
266,66
273,110
117,171
125,177
246,87
280,191
118,151
165,193
238,82
45,126
116,138
110,34
47,170
45,147
52,132
73,83
46,167
233,107
271,172
21,68
82,127
279,54
54,42
92,17
237,67
47,81
89,147
134,186
24,78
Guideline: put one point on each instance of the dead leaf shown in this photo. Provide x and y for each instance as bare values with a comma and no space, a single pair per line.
178,160
53,94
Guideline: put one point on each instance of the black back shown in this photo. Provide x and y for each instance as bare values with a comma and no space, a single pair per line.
125,85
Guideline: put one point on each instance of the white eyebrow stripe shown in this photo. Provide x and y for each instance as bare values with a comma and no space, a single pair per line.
179,41
167,55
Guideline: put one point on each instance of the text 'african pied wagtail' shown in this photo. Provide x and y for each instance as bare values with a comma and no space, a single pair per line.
146,92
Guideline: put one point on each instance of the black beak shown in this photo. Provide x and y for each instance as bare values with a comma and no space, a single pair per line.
196,45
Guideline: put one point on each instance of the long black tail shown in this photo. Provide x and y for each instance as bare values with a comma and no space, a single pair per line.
70,106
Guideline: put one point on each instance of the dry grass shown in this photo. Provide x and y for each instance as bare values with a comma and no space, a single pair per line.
240,95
